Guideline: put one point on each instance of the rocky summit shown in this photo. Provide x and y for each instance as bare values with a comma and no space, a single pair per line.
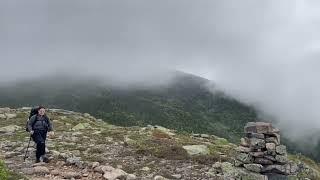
84,147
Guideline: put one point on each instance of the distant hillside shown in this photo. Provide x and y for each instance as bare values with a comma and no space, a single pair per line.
185,104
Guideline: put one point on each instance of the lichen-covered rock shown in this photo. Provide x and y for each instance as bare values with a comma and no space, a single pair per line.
281,149
71,174
263,161
255,135
257,143
254,167
231,172
271,148
258,127
245,158
196,149
41,170
10,129
81,126
115,174
281,159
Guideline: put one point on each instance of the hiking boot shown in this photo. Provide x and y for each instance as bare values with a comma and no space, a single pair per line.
37,160
44,159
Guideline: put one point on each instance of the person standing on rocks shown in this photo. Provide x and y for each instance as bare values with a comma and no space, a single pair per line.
39,125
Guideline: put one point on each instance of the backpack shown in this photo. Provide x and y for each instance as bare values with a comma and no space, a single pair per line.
34,111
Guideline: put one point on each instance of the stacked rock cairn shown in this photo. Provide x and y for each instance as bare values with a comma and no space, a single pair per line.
261,152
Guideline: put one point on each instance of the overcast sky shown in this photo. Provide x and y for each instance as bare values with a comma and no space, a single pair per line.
264,53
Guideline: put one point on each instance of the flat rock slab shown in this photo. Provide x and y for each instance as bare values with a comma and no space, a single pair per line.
258,127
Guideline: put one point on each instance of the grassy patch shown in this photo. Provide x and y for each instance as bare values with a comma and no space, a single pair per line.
313,170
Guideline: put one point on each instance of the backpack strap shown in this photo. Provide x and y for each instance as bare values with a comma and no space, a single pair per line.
34,122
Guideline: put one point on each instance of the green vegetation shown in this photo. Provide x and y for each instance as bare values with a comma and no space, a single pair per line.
3,171
185,105
5,174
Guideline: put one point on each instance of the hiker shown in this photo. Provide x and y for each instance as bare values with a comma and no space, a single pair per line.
38,126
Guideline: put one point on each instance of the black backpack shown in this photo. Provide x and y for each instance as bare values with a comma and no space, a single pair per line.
34,111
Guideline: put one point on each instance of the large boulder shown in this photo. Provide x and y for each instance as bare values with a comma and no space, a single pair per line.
196,149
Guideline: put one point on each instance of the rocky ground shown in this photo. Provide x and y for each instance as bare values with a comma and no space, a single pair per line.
88,148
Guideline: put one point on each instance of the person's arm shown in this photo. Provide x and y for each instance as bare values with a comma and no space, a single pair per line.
31,122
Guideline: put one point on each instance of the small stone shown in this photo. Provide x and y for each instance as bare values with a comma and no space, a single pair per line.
257,143
258,127
244,142
38,164
196,149
10,129
245,158
70,175
271,148
85,175
73,161
275,168
281,159
55,172
95,164
271,158
263,161
243,149
255,135
107,168
281,149
216,165
257,154
177,176
115,174
159,178
10,115
131,177
27,171
205,136
238,163
273,140
41,170
253,167
145,169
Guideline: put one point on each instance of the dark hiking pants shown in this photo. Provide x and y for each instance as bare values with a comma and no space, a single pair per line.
39,137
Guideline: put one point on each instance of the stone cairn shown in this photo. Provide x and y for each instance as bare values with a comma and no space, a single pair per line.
260,150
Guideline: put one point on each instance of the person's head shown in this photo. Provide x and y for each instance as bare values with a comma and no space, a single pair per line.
41,110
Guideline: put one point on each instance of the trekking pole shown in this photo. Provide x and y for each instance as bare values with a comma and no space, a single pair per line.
25,156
